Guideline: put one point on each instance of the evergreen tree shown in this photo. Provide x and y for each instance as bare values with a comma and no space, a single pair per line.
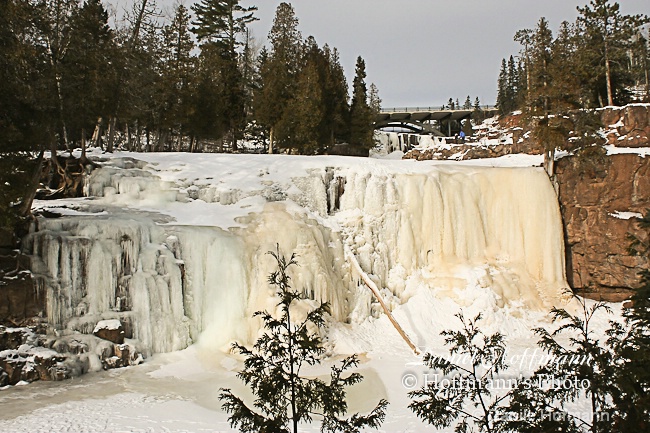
512,85
284,397
564,92
207,119
440,403
26,115
540,59
503,101
221,22
307,111
336,97
606,37
278,74
90,78
478,115
178,65
468,103
578,359
640,60
361,129
525,39
374,101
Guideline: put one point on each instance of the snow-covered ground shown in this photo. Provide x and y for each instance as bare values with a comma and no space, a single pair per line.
479,236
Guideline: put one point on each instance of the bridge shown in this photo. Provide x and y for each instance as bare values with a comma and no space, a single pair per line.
421,119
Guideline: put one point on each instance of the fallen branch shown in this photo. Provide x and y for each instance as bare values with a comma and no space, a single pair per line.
375,290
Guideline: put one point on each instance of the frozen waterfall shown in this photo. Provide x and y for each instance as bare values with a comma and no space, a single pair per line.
129,253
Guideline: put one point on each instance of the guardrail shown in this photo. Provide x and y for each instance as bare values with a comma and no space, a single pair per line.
425,109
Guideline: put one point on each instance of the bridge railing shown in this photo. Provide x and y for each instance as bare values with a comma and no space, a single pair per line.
424,109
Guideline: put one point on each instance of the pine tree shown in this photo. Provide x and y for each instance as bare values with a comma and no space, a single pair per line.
468,103
640,59
440,403
208,119
374,101
272,369
525,39
178,64
503,101
90,77
222,22
564,92
578,359
278,74
307,111
540,59
361,129
26,124
336,97
606,36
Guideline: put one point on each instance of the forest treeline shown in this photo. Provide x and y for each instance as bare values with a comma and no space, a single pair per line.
196,82
600,59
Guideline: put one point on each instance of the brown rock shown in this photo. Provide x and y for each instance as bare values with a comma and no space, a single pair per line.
631,123
114,334
598,262
13,367
4,378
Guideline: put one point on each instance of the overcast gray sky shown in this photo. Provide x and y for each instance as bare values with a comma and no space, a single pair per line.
422,52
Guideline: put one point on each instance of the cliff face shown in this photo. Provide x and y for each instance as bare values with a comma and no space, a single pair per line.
598,218
600,205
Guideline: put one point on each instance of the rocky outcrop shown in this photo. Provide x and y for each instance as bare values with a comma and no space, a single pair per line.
627,126
19,301
460,152
27,356
599,210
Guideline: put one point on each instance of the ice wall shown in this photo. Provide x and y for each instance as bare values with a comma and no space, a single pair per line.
449,228
504,220
168,284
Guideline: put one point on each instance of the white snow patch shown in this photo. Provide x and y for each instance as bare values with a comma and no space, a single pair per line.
625,215
110,325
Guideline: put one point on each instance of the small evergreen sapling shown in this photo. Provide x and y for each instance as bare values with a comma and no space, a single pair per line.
272,369
578,366
440,403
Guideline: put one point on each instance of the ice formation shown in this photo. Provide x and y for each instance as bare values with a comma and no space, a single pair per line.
174,283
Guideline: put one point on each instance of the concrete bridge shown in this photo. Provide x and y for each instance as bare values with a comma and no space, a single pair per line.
425,119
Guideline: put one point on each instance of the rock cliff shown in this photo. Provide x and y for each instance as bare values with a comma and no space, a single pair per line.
600,206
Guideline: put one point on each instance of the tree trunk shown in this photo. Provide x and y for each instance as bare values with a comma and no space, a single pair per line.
111,134
138,132
128,138
96,138
271,142
608,76
25,208
375,291
64,129
83,146
233,131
